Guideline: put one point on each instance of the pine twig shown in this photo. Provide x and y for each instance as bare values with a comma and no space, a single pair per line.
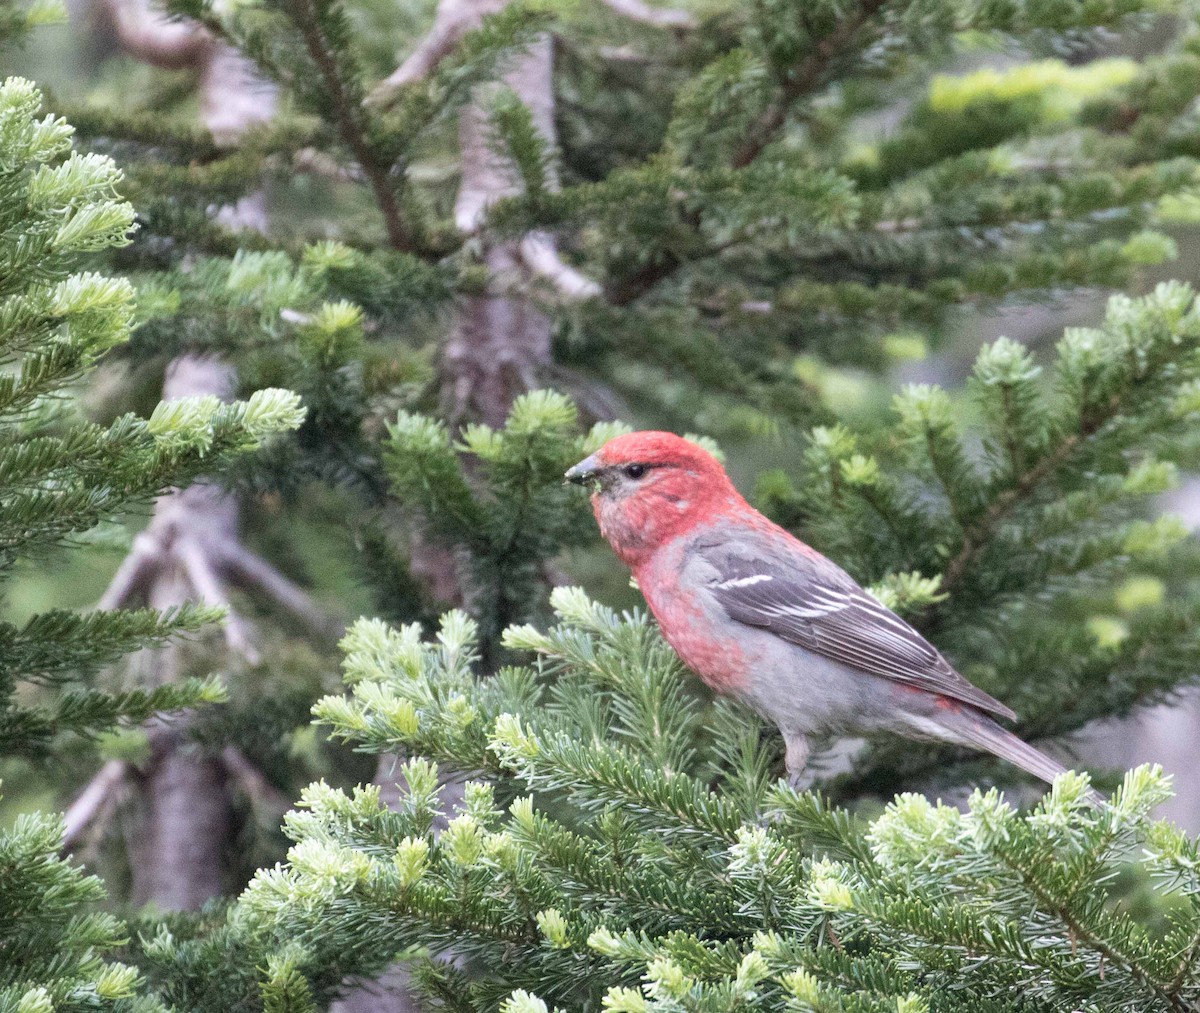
1185,964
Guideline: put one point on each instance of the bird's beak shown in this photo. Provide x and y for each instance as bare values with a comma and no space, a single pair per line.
584,471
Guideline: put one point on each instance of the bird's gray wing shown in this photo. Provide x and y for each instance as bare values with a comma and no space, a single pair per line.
820,608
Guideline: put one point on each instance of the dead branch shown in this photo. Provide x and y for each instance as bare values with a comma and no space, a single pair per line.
208,588
148,36
91,804
193,532
452,20
136,571
318,163
486,177
233,98
539,253
179,819
253,573
455,18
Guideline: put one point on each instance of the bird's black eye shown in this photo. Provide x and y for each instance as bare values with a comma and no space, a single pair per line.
634,470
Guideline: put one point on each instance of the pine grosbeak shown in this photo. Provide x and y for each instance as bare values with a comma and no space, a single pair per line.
760,616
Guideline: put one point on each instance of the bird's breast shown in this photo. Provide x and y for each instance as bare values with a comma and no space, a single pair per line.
690,622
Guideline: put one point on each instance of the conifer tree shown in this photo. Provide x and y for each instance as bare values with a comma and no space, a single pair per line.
725,268
703,227
744,224
626,844
62,477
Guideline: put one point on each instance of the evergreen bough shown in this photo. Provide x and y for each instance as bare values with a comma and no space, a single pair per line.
625,848
625,843
748,232
61,476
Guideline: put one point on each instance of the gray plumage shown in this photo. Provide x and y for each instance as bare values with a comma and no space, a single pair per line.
827,657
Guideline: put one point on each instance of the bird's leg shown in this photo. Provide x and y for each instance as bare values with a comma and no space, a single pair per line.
796,757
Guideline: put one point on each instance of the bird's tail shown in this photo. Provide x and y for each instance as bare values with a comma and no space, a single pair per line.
983,733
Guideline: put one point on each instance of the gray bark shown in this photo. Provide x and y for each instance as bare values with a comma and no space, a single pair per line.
500,343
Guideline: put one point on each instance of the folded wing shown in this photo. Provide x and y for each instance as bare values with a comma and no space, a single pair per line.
826,612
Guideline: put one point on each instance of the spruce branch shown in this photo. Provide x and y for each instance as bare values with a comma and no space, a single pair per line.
1027,484
1081,933
808,76
351,122
63,476
1087,422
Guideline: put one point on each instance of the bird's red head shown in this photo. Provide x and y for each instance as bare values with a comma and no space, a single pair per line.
649,488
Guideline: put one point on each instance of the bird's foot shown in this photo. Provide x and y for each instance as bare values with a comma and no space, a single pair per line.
796,759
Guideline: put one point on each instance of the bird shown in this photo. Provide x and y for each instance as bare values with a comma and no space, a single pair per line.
762,617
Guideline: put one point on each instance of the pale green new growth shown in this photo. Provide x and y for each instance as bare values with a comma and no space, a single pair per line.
654,868
61,476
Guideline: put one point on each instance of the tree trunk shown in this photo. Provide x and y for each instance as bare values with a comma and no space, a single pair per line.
183,822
